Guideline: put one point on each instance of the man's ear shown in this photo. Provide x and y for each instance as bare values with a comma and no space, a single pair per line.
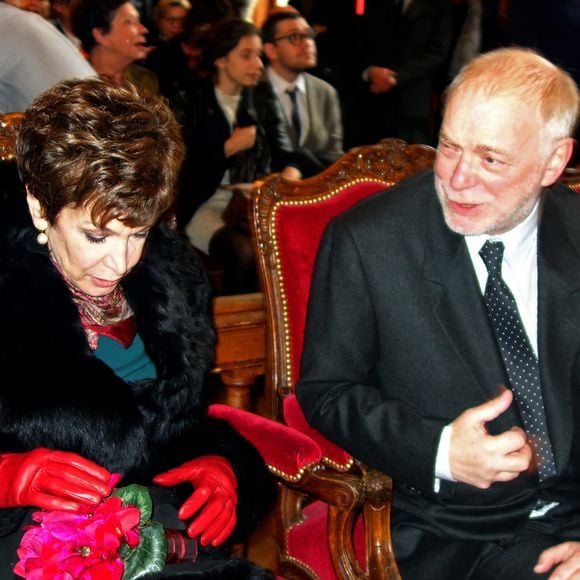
557,161
269,50
36,212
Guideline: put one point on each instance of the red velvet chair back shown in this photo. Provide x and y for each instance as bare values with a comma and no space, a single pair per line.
289,219
335,519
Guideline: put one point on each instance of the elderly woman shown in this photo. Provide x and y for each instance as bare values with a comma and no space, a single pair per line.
112,35
106,336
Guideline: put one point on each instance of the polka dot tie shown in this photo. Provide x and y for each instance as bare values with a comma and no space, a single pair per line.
520,360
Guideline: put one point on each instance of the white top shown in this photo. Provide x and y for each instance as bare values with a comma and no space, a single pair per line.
34,55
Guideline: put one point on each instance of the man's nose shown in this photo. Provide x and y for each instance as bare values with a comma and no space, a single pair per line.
463,175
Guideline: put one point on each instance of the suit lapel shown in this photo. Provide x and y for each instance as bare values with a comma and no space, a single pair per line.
313,120
558,323
459,309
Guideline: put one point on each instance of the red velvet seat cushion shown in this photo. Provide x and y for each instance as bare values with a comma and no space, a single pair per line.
315,555
331,453
286,450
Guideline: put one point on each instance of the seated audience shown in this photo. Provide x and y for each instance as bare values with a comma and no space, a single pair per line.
290,48
112,35
110,307
234,133
169,18
442,342
178,59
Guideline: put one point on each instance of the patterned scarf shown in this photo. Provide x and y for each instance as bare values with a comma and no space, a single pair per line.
108,315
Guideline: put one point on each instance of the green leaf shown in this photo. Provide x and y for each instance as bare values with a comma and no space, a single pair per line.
138,496
149,556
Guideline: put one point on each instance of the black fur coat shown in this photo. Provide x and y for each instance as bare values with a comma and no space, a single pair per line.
55,393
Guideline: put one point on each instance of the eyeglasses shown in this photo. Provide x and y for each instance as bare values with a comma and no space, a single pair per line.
297,37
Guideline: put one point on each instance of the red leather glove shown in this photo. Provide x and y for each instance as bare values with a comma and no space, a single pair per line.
54,480
215,495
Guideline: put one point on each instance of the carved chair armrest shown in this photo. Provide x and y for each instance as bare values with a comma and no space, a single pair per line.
332,455
287,452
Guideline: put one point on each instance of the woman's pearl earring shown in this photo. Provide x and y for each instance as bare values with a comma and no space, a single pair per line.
42,238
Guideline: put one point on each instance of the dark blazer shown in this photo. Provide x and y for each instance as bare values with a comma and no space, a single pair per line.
398,344
55,393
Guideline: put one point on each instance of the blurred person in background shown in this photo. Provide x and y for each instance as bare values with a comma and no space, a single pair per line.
113,36
169,19
34,55
290,49
61,16
234,132
178,59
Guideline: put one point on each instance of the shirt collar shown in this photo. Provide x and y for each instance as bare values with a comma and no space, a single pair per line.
280,85
517,241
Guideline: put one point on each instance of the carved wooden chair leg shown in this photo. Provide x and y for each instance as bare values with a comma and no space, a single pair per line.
381,562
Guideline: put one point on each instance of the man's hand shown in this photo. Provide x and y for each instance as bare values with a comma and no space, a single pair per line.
480,459
54,480
381,79
214,499
566,558
291,173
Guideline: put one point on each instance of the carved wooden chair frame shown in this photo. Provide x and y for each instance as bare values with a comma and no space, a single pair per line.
348,487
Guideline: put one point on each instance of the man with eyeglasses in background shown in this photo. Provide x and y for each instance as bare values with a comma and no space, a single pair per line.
311,105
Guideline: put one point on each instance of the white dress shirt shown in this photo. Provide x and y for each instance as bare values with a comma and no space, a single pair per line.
520,273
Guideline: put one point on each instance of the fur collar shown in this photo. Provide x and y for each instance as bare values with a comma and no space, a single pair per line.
45,361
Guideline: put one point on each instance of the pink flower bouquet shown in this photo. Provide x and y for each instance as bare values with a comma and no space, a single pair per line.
117,541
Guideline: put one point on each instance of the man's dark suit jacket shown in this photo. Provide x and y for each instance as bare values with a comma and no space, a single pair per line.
398,344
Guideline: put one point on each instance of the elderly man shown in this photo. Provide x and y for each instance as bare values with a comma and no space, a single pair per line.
443,334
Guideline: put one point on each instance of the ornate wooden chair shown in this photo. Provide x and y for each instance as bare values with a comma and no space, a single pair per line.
335,513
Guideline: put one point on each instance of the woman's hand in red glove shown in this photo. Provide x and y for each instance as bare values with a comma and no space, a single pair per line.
215,497
54,480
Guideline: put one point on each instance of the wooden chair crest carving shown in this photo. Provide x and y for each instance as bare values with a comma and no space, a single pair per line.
8,127
324,506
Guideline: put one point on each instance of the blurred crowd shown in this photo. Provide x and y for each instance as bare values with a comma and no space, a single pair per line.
290,90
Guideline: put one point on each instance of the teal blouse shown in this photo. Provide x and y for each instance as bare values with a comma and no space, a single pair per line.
130,364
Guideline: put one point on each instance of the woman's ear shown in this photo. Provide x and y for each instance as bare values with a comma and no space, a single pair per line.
219,63
99,36
36,212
